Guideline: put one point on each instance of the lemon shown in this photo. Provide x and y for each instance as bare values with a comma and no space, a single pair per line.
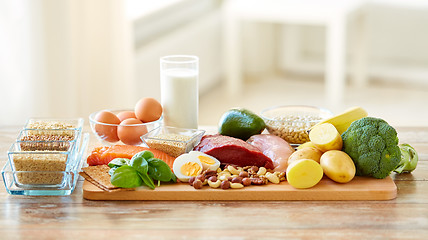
240,123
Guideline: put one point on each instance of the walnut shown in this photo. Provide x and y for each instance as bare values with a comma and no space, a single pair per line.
259,181
281,176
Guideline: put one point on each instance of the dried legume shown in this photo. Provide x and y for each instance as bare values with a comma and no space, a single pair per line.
293,129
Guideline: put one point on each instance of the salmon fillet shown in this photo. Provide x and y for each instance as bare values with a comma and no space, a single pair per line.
103,155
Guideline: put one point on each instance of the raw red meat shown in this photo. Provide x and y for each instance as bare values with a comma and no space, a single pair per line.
234,151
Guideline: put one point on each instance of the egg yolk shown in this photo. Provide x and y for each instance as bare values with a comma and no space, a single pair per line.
190,169
206,160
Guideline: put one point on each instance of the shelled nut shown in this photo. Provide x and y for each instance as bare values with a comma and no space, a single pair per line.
215,184
261,171
197,184
225,184
272,178
236,185
233,170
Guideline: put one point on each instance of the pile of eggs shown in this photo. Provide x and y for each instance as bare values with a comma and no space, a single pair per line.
128,126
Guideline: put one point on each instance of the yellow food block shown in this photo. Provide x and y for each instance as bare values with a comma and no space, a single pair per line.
304,173
326,137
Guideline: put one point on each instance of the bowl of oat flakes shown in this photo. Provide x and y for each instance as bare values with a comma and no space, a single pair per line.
292,122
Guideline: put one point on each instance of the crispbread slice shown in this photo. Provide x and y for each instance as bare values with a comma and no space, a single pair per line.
98,175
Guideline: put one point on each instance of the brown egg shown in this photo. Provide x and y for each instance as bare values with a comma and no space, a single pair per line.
125,115
131,134
148,109
106,132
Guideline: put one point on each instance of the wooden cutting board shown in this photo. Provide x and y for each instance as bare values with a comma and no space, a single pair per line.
360,188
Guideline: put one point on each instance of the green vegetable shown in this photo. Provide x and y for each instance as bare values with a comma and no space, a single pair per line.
144,154
144,167
159,170
147,180
140,164
126,177
373,146
117,162
111,171
409,159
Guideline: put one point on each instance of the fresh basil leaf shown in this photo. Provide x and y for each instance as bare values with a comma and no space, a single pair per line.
140,164
144,154
159,170
112,170
117,162
173,177
126,177
147,180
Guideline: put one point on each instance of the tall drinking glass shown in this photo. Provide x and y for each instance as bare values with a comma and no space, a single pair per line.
179,90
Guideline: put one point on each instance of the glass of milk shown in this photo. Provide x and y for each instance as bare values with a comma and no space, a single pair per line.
179,90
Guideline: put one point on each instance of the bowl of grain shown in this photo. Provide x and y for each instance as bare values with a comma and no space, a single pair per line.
172,140
292,122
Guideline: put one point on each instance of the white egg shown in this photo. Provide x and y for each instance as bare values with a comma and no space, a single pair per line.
208,162
186,166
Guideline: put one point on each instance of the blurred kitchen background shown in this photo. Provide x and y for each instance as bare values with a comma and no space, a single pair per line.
68,58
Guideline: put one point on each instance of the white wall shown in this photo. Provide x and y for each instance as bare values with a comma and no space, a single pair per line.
397,49
68,58
200,38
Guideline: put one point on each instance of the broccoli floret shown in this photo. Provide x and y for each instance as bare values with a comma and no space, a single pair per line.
373,146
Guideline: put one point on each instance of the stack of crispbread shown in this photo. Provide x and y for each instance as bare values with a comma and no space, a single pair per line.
99,176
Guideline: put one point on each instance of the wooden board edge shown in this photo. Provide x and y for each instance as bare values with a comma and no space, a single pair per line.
389,192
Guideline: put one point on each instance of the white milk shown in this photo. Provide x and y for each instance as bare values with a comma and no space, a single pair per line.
179,94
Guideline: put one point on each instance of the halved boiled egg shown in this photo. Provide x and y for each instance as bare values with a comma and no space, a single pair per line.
186,166
208,162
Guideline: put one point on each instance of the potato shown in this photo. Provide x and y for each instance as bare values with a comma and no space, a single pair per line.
305,153
306,144
326,137
304,173
338,166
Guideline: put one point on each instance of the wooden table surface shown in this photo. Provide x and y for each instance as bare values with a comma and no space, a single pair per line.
72,217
